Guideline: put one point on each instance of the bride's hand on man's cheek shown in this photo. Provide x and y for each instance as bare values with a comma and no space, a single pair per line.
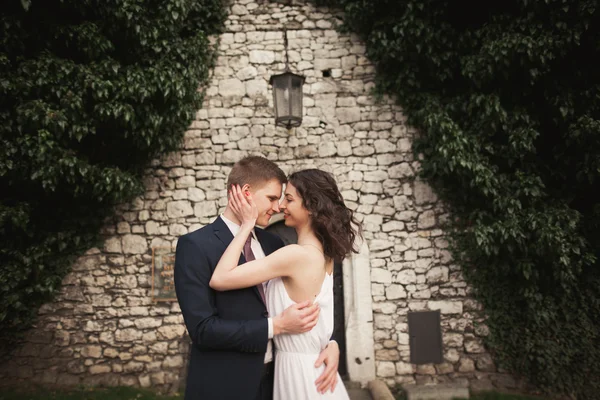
243,205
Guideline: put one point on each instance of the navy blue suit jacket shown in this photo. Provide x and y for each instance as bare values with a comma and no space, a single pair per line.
229,330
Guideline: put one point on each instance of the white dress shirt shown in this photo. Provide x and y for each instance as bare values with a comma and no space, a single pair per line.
258,254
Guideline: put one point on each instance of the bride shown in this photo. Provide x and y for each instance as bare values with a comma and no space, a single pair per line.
326,231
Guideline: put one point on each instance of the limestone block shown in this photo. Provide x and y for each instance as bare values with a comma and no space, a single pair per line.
134,244
173,362
99,369
347,115
387,355
423,193
185,182
426,219
485,363
406,277
256,87
232,156
446,307
384,146
452,339
382,321
404,368
127,335
133,366
394,292
238,9
473,346
145,323
393,226
169,332
363,150
91,352
327,149
385,369
376,176
437,275
262,57
178,209
231,87
400,171
452,356
466,365
205,209
381,275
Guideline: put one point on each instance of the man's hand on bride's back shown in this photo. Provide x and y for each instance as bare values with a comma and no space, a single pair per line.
297,318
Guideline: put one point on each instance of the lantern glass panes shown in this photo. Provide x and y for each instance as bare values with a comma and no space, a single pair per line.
287,99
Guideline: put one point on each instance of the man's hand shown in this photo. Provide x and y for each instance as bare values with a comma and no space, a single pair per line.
297,318
331,357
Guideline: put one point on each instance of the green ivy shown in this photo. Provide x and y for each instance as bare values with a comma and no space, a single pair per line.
507,97
90,92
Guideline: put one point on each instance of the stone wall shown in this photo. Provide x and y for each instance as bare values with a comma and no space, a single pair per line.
104,328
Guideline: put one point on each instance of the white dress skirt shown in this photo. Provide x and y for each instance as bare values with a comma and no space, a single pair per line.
295,355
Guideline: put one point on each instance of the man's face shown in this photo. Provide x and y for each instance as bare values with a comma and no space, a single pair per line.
266,197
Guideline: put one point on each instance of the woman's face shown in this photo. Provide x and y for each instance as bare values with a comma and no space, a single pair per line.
293,209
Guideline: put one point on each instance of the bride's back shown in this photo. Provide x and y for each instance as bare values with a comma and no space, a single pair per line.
307,278
312,342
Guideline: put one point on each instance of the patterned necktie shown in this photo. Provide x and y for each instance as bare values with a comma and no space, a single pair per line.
249,255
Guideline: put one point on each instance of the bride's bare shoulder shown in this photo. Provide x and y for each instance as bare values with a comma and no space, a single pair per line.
293,253
293,250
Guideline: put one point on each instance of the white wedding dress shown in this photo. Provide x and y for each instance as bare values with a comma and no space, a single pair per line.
295,355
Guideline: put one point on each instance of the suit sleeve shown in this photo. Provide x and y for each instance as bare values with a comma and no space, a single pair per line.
278,242
196,299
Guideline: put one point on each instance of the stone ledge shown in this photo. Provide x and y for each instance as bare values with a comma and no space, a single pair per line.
379,390
436,392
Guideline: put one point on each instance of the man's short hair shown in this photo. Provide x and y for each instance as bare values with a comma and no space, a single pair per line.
254,171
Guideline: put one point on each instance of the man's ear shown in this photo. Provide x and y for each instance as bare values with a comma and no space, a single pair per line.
245,188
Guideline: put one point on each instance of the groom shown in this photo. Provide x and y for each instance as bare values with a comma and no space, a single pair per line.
231,332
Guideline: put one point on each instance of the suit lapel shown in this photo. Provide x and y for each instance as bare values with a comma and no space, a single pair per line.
265,243
223,233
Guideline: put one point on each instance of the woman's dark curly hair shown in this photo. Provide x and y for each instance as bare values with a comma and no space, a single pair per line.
333,222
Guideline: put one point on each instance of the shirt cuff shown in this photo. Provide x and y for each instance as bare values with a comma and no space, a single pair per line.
270,323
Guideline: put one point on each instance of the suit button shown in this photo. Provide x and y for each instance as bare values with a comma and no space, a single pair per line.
266,314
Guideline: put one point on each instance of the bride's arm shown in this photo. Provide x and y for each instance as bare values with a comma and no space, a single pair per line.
228,275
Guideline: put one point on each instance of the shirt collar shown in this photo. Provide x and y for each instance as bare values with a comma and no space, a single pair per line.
235,228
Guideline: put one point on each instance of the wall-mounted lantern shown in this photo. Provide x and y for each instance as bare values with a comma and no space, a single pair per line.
287,95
